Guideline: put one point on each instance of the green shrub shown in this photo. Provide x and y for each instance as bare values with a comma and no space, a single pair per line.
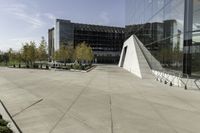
4,129
35,66
77,66
58,67
87,67
67,67
3,123
82,67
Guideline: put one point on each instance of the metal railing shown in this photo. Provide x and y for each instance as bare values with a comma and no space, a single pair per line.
163,76
195,82
181,76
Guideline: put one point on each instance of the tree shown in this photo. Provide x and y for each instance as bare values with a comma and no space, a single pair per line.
42,50
89,54
25,53
11,55
83,53
1,56
64,54
32,52
79,52
19,58
29,53
56,55
6,58
71,52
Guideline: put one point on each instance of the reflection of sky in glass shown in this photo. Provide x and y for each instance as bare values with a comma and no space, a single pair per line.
159,24
196,15
195,37
143,11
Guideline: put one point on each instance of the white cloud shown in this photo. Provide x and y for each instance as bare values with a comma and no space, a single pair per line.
21,11
28,14
34,20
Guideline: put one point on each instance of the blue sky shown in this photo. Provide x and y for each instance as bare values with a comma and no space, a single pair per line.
26,20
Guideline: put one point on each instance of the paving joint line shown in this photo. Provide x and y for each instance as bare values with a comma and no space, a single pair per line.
81,121
110,105
38,101
111,115
71,105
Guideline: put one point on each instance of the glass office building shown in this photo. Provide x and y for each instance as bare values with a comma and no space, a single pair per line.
169,29
51,41
105,41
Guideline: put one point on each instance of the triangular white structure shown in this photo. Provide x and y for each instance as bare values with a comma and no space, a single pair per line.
133,60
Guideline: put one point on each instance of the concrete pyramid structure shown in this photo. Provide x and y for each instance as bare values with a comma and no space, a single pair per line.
133,59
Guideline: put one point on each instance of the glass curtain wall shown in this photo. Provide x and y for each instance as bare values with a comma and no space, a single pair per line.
66,30
195,49
106,42
159,26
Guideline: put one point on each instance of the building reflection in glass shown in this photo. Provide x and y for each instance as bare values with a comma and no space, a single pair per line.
159,24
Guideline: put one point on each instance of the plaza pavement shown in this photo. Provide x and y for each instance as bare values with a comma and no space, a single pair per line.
106,100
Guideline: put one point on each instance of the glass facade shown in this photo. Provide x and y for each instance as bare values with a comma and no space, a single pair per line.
195,50
66,32
159,24
105,41
50,43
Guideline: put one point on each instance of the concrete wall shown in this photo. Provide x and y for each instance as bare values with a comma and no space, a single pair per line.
134,60
130,60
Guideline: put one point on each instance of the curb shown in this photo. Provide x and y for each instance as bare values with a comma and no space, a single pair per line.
83,71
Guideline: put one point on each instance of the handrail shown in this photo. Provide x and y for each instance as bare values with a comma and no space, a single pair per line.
180,78
167,77
195,82
171,82
20,131
161,76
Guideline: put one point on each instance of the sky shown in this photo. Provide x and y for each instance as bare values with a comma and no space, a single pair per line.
28,20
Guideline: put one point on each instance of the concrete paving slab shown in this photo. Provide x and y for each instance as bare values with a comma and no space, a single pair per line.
106,100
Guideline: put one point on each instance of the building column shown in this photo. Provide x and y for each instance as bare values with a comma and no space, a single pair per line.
188,22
